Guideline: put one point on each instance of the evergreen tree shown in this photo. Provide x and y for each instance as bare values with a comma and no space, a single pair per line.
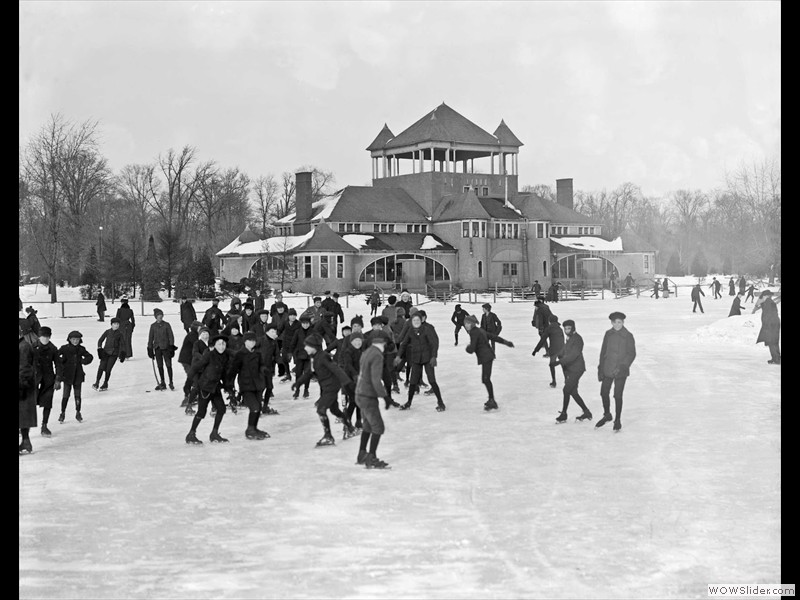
186,280
151,279
206,279
91,273
700,264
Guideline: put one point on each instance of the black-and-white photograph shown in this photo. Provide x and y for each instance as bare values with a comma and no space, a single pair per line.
382,299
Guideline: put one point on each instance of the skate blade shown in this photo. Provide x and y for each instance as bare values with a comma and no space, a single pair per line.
560,422
318,445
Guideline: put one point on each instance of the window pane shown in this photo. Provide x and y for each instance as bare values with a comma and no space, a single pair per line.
497,230
513,269
357,227
428,268
437,272
486,191
376,228
483,228
307,269
505,269
475,228
341,227
391,227
409,228
350,228
323,267
340,267
380,270
390,275
370,272
465,229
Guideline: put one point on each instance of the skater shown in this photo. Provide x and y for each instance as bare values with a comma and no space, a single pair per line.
279,303
313,312
302,361
420,348
731,287
33,320
616,356
665,288
201,347
570,357
213,318
540,320
490,322
26,388
73,356
330,378
405,303
770,325
555,336
552,292
374,301
368,389
656,288
185,358
349,359
458,320
268,349
715,287
479,345
389,354
736,307
109,349
323,328
48,374
536,288
249,318
233,332
742,283
280,320
161,346
629,281
390,310
287,350
248,365
236,307
188,313
333,310
127,323
750,292
101,306
212,378
696,293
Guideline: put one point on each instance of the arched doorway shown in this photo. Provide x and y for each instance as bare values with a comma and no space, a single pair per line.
389,269
573,267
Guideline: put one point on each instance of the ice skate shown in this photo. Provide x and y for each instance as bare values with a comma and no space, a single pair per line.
617,425
348,432
95,386
490,405
553,384
25,447
61,418
327,440
104,387
606,418
362,457
585,416
171,387
429,393
285,379
264,435
217,438
252,434
373,462
268,410
306,394
191,438
562,417
78,417
185,401
406,406
440,407
46,432
392,404
189,410
396,388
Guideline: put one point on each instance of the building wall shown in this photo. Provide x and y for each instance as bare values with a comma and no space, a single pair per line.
234,268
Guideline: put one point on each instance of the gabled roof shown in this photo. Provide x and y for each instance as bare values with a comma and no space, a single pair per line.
455,207
506,136
496,210
539,209
324,239
631,242
442,124
380,141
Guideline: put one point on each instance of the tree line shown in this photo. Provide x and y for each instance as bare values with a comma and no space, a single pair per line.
161,222
735,228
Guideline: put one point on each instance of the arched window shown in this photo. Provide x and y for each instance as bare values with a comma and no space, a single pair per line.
268,268
390,269
480,268
544,268
571,266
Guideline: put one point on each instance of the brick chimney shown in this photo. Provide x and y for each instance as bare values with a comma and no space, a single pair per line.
564,193
303,198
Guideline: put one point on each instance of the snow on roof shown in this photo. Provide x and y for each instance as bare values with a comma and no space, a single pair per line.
357,240
514,208
321,209
429,243
270,245
590,243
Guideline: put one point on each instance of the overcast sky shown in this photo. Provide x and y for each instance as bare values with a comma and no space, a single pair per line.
666,95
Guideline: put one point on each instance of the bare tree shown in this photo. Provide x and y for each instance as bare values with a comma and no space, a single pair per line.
265,190
544,191
285,205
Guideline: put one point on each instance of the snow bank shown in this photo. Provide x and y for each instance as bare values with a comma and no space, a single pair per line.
742,330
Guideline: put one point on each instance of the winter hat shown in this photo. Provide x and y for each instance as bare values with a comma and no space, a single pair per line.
335,294
203,330
292,311
347,327
30,309
215,300
458,306
158,311
357,320
471,319
115,320
356,336
75,334
45,331
196,325
270,326
376,321
317,299
219,336
384,319
124,299
183,297
765,293
417,316
392,299
487,305
263,311
401,312
379,336
422,313
249,336
248,305
616,315
569,323
304,319
553,319
327,292
314,341
412,310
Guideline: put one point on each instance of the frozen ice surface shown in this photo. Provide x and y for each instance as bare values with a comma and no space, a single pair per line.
477,505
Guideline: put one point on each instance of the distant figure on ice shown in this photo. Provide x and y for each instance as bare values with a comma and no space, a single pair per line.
536,288
490,322
715,287
33,320
127,323
213,318
742,283
188,314
101,306
750,291
458,320
570,357
540,320
161,346
479,345
552,292
628,282
696,293
374,301
736,307
732,287
552,337
665,288
656,288
770,325
616,356
110,348
73,356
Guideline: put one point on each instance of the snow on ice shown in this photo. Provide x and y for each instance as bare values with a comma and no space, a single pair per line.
477,505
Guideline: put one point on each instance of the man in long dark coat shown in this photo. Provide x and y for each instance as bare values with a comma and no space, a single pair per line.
27,388
616,356
736,307
770,325
101,306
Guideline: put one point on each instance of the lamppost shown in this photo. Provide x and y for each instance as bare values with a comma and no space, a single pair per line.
101,241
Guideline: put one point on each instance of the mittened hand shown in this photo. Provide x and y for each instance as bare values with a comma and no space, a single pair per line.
433,362
150,353
510,344
599,375
57,386
397,361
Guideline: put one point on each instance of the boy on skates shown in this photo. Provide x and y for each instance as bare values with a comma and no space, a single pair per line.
108,353
570,357
616,356
248,364
368,389
49,372
212,378
161,346
479,345
269,356
555,336
73,356
458,320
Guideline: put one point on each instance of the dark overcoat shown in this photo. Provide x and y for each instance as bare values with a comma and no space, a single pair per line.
72,360
617,353
571,355
250,368
27,385
770,323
